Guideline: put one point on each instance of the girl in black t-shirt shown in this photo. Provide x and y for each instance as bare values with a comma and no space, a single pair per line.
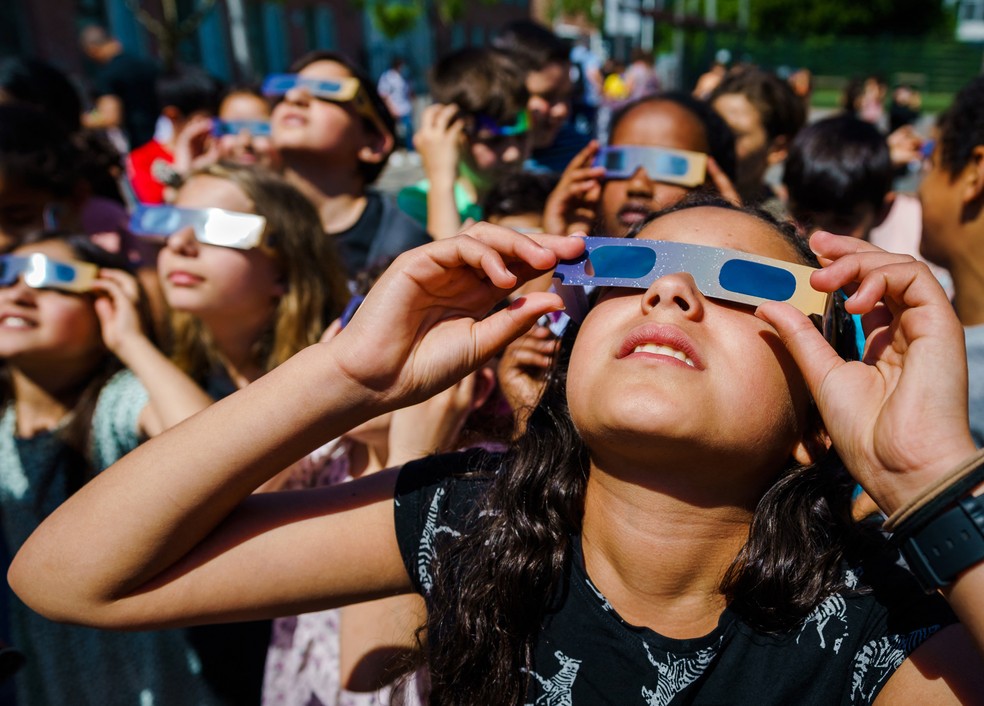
687,477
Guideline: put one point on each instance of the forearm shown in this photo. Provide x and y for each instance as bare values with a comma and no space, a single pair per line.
153,506
173,395
443,220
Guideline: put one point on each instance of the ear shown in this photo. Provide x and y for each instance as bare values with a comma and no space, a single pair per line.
813,446
973,176
172,113
377,149
778,150
885,209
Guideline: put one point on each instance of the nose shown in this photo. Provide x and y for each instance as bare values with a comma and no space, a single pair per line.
678,291
640,185
538,106
298,95
183,242
19,293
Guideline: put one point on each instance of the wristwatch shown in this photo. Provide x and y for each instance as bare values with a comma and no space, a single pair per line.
948,544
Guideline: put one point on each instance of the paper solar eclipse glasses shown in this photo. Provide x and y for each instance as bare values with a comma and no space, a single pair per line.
256,128
339,90
728,275
681,167
486,127
41,272
214,226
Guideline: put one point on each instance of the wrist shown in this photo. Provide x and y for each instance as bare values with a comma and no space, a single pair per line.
130,347
908,488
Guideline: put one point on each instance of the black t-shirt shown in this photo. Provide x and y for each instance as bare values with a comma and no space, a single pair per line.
843,653
134,81
382,232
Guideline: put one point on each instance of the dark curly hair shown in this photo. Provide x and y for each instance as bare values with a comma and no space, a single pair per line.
962,127
494,586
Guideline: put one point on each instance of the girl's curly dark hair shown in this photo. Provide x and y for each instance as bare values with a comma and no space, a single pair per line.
493,586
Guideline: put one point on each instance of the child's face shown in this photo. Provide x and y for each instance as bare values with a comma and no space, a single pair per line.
209,280
549,103
942,205
737,404
47,325
752,144
489,159
245,148
625,202
301,123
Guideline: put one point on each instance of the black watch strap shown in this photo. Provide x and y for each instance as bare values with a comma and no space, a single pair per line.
947,545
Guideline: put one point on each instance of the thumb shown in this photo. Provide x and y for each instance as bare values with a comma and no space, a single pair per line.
503,327
810,350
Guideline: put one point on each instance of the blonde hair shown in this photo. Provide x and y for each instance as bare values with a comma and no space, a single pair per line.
314,282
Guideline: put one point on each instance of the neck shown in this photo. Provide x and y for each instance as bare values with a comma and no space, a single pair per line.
235,339
339,199
695,536
967,270
42,400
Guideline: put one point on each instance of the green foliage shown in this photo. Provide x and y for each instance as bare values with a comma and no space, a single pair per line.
395,18
588,9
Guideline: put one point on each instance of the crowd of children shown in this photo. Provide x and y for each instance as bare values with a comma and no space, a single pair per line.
269,435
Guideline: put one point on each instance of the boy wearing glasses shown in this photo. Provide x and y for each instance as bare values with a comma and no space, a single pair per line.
476,132
334,135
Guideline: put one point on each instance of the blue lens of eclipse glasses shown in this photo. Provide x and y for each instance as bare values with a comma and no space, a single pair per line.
719,273
256,128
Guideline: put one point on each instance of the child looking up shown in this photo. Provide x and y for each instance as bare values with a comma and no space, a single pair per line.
592,199
475,133
238,312
69,321
334,144
673,524
765,115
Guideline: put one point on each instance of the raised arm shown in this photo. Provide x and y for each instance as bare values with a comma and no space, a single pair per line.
899,418
172,395
169,534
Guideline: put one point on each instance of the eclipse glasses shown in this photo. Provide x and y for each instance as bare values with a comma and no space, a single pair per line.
681,167
486,126
256,128
214,226
339,90
729,275
41,272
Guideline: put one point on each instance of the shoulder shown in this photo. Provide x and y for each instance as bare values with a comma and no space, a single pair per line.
438,498
115,428
399,225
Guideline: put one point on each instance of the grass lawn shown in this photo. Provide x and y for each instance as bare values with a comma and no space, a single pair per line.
830,98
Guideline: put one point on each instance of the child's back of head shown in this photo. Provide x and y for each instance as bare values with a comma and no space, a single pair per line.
839,176
480,81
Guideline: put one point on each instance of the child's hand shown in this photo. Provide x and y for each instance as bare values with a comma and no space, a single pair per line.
437,142
423,326
116,308
524,366
573,204
432,426
898,419
194,147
